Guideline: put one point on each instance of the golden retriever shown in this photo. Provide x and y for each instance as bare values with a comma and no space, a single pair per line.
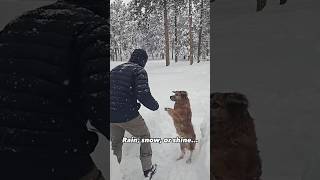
181,115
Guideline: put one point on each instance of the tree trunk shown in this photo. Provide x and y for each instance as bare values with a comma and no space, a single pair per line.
200,31
208,50
120,53
172,49
115,51
166,33
120,45
190,33
175,32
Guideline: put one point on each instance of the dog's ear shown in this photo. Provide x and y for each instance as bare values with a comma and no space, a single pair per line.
174,92
184,93
214,98
236,103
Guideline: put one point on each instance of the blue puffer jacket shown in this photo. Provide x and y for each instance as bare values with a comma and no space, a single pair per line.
129,83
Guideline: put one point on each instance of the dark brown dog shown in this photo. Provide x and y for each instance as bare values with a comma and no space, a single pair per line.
234,151
181,116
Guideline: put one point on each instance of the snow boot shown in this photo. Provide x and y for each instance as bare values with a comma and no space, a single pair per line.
148,174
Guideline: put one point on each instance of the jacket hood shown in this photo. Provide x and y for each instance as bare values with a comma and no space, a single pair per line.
139,56
100,7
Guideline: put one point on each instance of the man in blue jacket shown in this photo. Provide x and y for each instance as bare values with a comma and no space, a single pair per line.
129,83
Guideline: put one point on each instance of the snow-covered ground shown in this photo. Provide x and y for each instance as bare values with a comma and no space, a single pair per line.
163,80
273,58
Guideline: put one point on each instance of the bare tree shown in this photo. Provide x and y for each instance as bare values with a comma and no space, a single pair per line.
166,32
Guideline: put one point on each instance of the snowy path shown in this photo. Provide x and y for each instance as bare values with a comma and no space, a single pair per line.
163,80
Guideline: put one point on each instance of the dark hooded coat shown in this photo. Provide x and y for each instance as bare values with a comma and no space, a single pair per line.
129,83
53,81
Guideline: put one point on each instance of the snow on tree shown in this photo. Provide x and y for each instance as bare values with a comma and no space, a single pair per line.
141,24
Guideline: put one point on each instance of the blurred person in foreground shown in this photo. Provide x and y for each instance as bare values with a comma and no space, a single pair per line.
53,82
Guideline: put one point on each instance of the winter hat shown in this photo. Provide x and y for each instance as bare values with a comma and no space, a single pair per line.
139,56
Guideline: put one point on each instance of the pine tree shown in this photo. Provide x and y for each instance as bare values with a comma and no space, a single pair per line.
190,34
200,31
175,32
160,27
166,29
